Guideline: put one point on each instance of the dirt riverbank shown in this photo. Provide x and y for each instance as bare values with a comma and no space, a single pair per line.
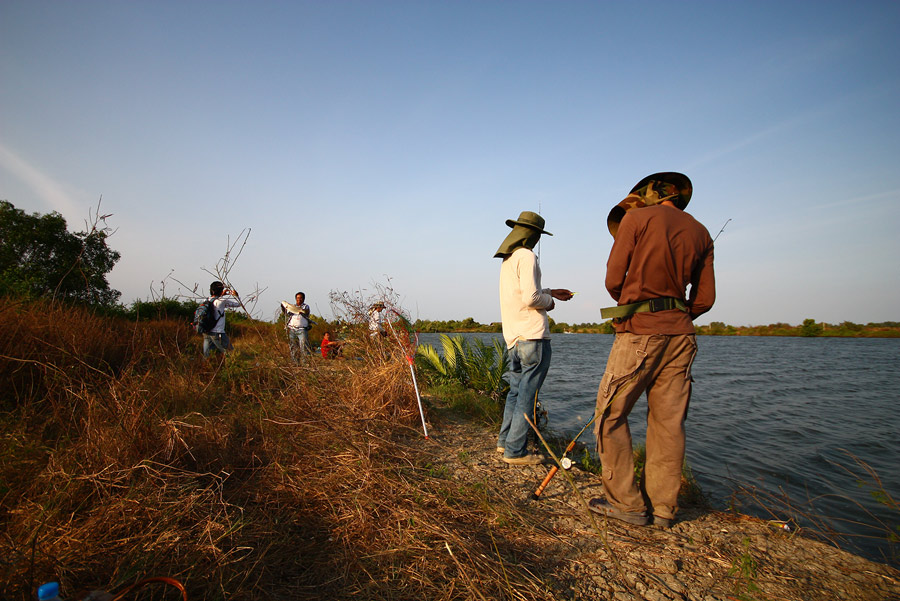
707,555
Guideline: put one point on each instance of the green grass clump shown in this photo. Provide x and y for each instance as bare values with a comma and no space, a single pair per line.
468,403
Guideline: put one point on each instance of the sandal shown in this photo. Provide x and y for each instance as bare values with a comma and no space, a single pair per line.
602,507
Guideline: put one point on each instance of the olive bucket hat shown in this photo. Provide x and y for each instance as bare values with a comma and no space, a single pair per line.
529,219
652,190
528,225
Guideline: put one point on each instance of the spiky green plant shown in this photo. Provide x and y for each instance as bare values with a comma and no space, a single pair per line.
478,366
485,366
455,351
445,367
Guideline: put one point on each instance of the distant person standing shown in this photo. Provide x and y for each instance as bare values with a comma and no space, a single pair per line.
297,324
222,299
526,330
376,321
658,251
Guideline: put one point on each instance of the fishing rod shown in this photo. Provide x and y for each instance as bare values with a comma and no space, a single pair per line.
539,239
564,461
721,230
410,358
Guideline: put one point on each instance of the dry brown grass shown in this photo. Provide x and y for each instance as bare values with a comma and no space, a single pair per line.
125,457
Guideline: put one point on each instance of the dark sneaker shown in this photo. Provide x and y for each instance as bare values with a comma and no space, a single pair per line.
535,459
663,523
602,507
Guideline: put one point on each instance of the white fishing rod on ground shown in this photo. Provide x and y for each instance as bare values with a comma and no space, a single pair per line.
411,360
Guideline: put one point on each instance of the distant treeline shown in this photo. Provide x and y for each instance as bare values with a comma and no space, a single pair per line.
809,327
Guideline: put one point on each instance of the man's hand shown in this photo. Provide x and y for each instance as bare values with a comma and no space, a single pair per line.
561,294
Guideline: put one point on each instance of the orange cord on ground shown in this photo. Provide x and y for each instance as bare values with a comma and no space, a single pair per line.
146,581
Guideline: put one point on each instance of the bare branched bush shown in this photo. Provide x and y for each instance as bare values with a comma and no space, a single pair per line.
221,272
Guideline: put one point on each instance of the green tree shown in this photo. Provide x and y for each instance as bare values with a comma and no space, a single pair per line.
39,257
717,328
810,328
469,323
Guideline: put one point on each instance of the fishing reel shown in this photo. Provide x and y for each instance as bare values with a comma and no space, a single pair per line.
565,463
541,419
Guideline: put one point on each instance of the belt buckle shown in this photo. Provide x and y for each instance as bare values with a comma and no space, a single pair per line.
658,304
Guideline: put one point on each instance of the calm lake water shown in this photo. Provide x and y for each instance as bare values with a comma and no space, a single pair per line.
782,417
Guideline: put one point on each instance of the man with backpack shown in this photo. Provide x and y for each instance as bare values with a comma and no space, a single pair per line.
211,321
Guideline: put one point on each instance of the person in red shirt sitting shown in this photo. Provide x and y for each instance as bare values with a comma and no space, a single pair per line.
330,348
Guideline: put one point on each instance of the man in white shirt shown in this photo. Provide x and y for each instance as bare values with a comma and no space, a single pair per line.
526,330
376,321
297,325
222,298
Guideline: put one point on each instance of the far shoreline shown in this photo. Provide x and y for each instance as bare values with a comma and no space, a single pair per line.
805,330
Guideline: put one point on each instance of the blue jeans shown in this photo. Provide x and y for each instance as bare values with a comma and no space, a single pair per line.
216,341
299,341
529,361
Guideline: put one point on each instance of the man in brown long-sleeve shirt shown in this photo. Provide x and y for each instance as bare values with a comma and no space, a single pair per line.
658,251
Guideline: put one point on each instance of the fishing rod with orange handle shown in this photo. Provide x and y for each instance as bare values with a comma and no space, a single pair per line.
564,461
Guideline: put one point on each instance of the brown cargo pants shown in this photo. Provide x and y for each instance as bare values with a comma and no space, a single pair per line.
661,366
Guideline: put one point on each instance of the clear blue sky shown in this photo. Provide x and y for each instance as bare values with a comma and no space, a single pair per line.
366,141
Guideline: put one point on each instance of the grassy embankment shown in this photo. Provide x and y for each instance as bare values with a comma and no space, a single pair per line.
123,457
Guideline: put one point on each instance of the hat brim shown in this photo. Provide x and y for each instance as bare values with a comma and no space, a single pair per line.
679,180
635,200
513,223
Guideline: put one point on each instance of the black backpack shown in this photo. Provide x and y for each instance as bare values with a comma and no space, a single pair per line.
205,317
